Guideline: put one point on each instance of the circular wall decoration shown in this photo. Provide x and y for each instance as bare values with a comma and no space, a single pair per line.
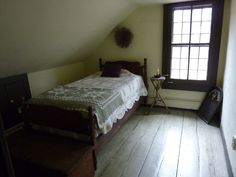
123,37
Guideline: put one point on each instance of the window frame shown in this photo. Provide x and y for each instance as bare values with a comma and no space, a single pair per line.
214,47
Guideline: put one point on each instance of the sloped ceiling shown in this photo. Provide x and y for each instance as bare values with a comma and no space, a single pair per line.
144,2
41,34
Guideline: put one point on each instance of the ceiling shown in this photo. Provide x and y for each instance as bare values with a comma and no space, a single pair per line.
145,2
37,35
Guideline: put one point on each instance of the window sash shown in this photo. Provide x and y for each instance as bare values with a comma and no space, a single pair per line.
214,45
181,67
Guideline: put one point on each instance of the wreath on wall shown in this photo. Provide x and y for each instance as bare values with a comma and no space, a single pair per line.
123,37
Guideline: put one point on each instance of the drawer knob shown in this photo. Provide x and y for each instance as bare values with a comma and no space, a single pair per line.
11,101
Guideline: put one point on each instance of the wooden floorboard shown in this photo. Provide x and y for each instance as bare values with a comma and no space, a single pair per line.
212,160
178,144
189,149
171,148
112,147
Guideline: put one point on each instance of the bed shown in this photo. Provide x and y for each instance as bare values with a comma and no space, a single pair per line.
104,103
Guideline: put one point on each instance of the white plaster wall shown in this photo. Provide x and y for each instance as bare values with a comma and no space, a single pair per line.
228,122
146,23
41,81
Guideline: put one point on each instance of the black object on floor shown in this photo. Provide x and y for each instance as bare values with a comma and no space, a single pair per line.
211,105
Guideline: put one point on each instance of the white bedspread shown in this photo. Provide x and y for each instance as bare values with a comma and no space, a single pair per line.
129,85
111,97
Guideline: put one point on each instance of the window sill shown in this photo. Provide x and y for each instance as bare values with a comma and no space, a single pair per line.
201,86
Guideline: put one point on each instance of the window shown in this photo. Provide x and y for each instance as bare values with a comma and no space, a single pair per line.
191,43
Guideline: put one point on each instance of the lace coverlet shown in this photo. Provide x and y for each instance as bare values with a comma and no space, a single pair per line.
110,97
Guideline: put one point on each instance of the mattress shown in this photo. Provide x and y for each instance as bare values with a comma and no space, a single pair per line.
110,97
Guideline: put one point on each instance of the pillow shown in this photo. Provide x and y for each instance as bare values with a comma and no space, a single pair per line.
124,72
111,70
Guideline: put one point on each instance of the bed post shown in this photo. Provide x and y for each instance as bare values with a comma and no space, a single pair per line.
145,77
91,125
145,66
100,64
92,134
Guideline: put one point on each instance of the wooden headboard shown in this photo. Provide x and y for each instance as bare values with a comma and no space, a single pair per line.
133,66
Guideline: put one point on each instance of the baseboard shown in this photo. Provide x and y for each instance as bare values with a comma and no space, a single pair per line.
179,103
160,106
229,167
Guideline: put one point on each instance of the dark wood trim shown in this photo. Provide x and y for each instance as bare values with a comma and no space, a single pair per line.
201,86
188,3
5,152
217,20
92,117
166,51
67,120
72,121
229,167
145,79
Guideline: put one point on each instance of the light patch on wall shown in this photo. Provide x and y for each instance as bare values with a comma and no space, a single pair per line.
47,79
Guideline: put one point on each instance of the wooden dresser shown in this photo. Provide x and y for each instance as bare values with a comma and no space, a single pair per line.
14,91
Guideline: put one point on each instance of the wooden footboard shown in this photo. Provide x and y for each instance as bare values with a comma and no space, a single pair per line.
72,121
53,117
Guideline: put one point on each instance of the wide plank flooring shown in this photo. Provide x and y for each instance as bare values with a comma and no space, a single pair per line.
178,144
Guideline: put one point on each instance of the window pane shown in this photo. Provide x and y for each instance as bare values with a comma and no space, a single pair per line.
204,52
178,16
205,38
175,74
186,15
195,38
196,27
206,27
202,75
185,38
196,15
189,42
183,74
192,74
186,28
175,63
175,52
176,39
184,52
184,64
194,52
206,14
177,28
193,64
203,64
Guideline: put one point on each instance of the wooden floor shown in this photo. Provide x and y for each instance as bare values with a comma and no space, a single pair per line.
164,145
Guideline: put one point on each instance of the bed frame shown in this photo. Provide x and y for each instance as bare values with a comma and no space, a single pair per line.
77,122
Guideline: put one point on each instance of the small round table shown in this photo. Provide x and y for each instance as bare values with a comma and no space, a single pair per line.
157,98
